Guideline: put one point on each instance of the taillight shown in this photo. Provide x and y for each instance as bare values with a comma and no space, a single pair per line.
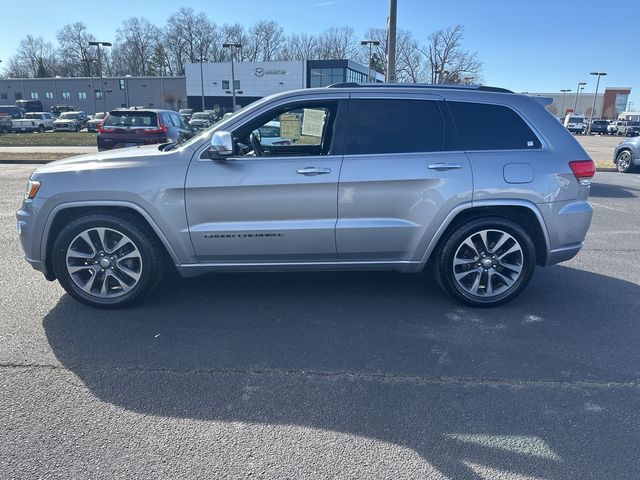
160,129
584,170
101,129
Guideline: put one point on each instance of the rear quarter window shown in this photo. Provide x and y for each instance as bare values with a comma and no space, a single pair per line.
485,126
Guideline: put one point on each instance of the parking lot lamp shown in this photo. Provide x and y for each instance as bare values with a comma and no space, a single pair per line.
231,47
593,107
564,94
578,90
371,43
98,44
202,60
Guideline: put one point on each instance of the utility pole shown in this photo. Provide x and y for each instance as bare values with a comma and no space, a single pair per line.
564,94
104,98
391,41
371,43
598,74
231,47
201,60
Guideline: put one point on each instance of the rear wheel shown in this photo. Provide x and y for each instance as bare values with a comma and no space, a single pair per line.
486,262
107,261
624,161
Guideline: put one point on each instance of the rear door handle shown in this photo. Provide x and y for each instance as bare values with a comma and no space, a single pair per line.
313,171
441,166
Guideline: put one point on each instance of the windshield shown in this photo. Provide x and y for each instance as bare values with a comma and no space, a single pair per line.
203,116
600,122
99,116
69,116
33,116
576,120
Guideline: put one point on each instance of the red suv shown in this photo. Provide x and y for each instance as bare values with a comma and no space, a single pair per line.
132,127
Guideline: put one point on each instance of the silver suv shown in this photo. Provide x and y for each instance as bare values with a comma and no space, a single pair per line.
478,183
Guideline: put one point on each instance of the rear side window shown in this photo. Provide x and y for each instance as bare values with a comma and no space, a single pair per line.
492,127
130,119
394,126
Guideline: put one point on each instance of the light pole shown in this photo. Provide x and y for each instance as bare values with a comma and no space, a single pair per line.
371,43
593,107
391,42
201,60
89,61
564,94
98,44
580,87
231,47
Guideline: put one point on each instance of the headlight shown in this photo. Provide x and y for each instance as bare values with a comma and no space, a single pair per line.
32,189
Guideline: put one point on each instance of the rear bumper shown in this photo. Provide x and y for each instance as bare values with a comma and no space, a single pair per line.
567,225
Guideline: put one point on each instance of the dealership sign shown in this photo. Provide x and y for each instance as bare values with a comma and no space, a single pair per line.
260,72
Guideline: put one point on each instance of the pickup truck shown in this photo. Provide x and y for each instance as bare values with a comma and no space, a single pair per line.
33,122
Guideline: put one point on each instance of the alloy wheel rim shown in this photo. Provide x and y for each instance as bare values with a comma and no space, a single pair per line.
488,263
104,262
624,161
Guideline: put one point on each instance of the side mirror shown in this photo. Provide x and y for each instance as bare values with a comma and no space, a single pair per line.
221,145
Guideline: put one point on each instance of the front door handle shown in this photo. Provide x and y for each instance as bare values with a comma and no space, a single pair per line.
313,171
441,166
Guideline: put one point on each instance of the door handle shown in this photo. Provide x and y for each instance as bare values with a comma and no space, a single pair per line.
313,171
441,166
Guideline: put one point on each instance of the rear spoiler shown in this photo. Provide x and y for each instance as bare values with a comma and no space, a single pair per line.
544,101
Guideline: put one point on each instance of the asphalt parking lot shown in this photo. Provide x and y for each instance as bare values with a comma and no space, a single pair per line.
328,375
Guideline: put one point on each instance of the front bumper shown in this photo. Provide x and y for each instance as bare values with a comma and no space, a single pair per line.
30,228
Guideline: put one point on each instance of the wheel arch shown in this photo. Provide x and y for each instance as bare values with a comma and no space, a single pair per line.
65,212
525,213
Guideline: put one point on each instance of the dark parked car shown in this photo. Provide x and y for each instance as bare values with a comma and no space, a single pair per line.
599,126
15,112
70,122
29,105
58,109
132,127
201,120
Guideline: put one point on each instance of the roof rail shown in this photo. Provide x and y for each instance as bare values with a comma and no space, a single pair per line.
481,88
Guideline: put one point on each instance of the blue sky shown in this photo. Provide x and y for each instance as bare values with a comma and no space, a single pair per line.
539,46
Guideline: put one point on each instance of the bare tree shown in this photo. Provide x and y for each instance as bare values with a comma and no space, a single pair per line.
266,39
235,33
136,42
336,43
74,50
34,58
301,47
190,37
409,58
444,53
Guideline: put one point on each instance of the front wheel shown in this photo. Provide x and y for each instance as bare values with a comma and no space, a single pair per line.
107,261
485,262
624,161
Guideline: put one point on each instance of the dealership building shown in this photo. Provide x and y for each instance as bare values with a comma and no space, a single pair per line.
253,80
610,103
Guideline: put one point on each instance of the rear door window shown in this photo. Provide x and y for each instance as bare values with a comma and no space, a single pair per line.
382,126
485,126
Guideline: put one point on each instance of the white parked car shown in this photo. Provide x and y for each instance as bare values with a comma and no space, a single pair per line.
33,122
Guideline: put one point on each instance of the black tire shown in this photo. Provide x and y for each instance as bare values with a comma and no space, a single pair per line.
444,269
624,161
153,261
